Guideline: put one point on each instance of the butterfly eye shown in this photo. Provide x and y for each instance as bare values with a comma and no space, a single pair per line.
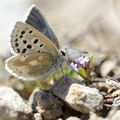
63,53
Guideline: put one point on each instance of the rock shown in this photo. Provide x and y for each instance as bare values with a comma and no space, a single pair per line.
61,87
103,86
46,104
79,97
93,116
12,105
73,118
107,67
59,119
114,114
68,112
31,98
84,99
37,116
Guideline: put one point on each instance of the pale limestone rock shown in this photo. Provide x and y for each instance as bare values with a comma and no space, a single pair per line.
114,114
73,118
84,99
12,105
81,98
107,67
59,119
37,116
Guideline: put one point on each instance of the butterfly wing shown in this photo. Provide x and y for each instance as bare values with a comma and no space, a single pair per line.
30,67
37,20
25,39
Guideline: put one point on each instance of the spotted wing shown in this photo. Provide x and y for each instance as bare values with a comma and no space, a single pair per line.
30,67
26,39
36,19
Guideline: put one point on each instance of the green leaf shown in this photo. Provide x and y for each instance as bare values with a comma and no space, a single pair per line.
91,61
82,72
90,65
65,68
71,73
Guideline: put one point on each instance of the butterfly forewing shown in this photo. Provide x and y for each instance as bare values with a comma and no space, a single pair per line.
30,67
25,39
36,19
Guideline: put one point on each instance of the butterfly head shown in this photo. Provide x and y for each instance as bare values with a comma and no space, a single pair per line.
65,54
70,54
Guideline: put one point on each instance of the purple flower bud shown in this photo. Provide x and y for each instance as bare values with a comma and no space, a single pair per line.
74,66
80,62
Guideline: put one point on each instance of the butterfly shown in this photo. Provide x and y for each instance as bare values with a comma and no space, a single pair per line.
36,47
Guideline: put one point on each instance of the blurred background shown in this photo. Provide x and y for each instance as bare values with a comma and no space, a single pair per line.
93,24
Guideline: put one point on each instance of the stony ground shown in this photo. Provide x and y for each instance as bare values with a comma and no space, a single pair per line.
66,98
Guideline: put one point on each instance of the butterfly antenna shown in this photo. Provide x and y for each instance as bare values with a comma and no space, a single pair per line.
67,43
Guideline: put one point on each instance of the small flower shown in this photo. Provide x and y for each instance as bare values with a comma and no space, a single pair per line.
74,66
80,62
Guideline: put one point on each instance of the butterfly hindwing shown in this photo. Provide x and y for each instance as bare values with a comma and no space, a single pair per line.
36,19
27,40
30,67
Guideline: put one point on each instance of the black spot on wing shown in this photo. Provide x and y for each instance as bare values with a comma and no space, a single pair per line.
16,40
16,44
23,32
41,45
35,41
29,46
21,36
24,50
24,41
30,31
18,50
